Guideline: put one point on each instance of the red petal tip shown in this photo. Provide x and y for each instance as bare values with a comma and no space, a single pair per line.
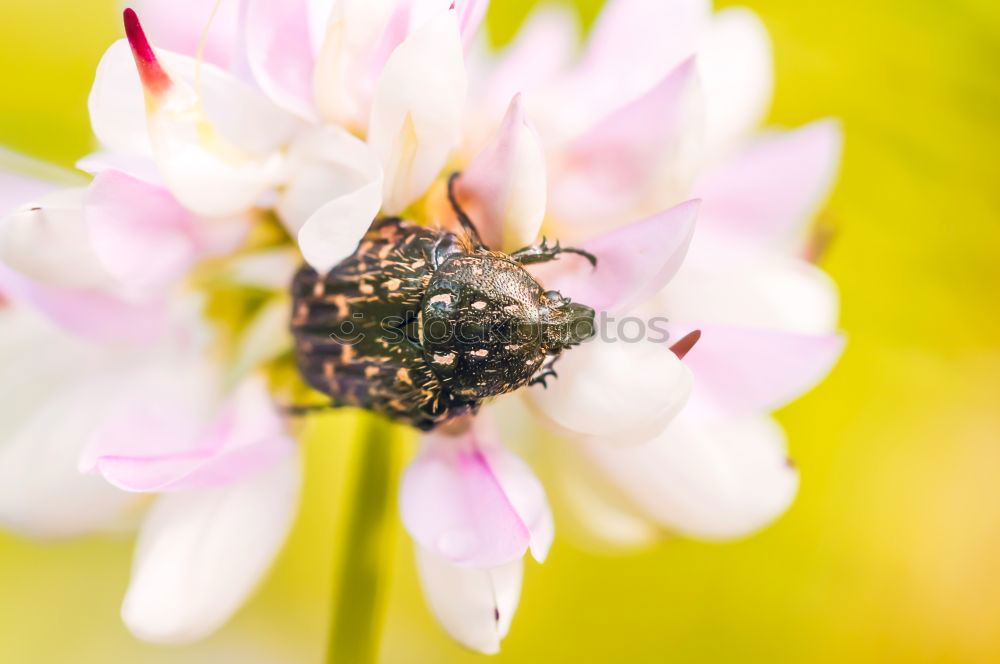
154,79
686,343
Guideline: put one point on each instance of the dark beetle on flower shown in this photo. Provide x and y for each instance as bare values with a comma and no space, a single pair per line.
422,325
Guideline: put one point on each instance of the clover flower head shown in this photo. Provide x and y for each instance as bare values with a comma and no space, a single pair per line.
148,307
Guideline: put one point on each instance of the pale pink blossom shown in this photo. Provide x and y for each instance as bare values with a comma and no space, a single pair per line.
329,113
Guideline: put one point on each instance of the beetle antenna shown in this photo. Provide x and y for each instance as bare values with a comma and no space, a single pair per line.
463,218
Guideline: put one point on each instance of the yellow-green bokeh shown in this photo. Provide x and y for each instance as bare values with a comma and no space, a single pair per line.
891,553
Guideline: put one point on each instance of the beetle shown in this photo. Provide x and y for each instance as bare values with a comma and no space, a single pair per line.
423,325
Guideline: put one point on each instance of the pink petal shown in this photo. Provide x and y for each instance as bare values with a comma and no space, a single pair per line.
747,369
91,314
141,234
475,504
614,166
140,167
470,16
165,445
543,47
633,262
16,190
280,52
178,25
45,414
774,186
507,183
634,44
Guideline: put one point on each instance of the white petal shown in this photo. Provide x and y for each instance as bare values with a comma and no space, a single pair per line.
346,65
346,183
212,136
23,179
116,104
416,117
475,606
265,337
201,553
141,167
48,241
508,182
732,284
46,415
708,477
595,513
737,76
611,387
325,164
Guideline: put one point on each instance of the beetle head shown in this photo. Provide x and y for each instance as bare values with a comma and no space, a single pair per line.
564,323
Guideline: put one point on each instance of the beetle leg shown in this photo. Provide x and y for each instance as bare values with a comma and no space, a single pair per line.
463,218
547,371
306,409
543,253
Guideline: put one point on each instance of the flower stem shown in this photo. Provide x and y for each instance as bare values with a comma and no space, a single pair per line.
367,542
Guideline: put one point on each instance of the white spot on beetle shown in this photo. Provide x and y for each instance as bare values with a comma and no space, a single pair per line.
479,304
443,298
444,358
482,352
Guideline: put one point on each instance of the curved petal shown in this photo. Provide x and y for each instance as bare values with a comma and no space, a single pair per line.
633,262
624,59
507,183
477,505
613,387
140,167
46,413
737,76
745,369
201,553
90,314
738,286
142,237
596,515
475,606
164,443
212,136
707,477
334,196
774,186
280,52
357,39
416,115
23,179
120,236
179,25
639,155
545,44
47,241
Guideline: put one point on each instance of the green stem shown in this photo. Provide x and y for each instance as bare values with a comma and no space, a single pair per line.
367,542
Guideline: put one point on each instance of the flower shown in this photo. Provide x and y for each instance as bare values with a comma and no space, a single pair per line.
308,119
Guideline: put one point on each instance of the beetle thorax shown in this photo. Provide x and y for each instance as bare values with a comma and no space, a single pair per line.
480,327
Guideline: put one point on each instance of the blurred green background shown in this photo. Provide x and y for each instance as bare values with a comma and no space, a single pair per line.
892,551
